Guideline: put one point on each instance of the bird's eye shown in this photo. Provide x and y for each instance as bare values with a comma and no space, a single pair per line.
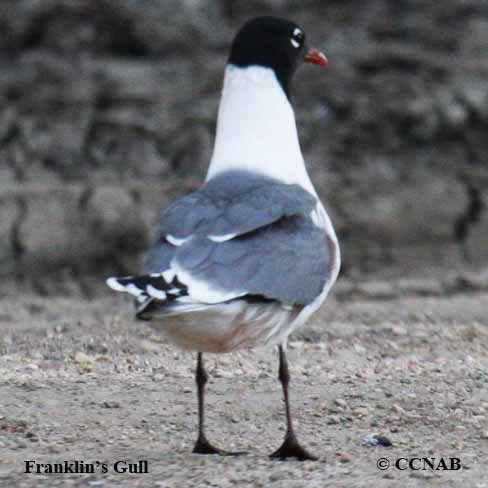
297,38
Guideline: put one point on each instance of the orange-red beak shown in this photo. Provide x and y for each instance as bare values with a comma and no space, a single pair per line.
314,56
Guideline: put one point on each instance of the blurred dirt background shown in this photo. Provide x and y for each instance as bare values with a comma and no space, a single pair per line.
107,112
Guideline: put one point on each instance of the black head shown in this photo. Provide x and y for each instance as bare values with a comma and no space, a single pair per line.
273,43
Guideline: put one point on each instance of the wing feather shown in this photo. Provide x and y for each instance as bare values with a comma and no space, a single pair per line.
239,234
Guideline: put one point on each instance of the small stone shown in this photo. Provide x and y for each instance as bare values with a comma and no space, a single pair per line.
399,330
340,403
333,420
344,457
360,412
397,408
82,358
103,357
31,436
221,373
376,440
111,404
484,435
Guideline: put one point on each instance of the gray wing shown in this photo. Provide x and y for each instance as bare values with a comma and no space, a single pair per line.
242,234
285,261
234,203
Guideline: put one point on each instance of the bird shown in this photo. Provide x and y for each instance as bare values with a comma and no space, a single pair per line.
247,258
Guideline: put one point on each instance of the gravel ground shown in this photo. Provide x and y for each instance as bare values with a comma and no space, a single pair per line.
80,381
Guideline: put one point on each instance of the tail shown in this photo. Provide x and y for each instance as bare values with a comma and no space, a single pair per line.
158,294
158,286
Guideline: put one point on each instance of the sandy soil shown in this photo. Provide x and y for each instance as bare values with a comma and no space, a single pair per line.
80,381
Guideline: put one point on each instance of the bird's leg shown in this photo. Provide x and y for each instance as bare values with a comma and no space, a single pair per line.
203,446
290,446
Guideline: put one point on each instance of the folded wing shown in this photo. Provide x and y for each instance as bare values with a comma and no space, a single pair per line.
238,235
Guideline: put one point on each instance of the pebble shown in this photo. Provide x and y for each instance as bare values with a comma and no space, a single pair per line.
221,373
340,403
111,404
344,457
399,330
333,420
484,435
31,436
396,408
84,361
376,440
360,412
103,357
81,357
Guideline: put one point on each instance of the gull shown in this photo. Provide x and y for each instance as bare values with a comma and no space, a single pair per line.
251,255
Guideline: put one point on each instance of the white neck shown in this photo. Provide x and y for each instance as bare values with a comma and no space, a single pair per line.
256,128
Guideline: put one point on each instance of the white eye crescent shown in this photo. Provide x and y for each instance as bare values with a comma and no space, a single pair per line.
297,38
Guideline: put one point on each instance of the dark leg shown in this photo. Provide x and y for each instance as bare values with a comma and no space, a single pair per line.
202,446
290,446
